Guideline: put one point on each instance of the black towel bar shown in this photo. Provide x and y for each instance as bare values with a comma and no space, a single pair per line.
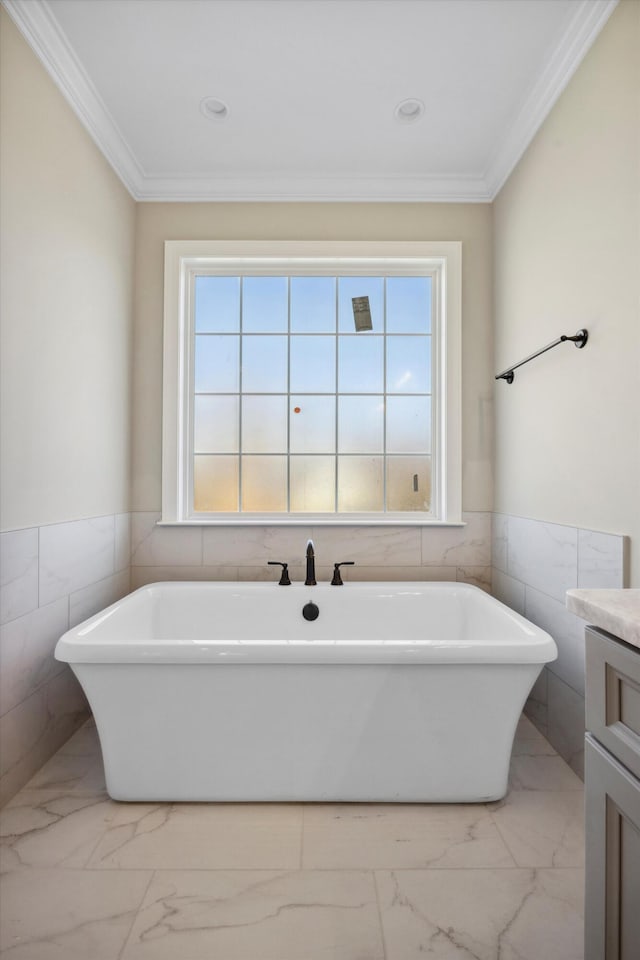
578,340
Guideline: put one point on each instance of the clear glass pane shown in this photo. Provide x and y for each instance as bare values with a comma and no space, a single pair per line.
264,424
215,424
408,364
360,364
313,364
215,484
313,424
217,304
216,364
264,484
360,484
313,481
264,364
408,304
408,424
313,304
264,305
360,424
350,287
409,483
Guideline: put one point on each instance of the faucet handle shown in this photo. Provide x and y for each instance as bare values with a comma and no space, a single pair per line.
284,578
337,579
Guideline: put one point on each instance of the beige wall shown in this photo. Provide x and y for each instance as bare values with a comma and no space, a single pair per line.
67,266
470,223
567,255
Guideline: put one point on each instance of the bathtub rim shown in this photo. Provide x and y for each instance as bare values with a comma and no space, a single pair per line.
532,645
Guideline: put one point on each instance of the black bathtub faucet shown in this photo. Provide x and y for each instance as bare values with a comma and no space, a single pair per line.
310,579
337,579
284,577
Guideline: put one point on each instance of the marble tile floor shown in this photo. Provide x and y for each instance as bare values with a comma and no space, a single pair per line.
86,878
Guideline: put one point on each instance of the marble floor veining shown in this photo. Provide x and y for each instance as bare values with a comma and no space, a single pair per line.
86,878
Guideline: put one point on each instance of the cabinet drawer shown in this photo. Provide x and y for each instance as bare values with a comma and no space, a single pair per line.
613,696
612,873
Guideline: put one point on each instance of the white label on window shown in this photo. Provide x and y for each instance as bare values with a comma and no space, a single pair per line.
361,313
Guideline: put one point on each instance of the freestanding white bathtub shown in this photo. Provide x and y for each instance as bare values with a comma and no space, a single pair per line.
223,691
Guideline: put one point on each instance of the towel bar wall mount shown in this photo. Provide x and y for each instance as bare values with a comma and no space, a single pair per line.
578,340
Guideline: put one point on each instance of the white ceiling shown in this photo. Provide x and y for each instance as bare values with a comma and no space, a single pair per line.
311,87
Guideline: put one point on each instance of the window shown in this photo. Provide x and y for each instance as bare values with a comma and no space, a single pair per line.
311,382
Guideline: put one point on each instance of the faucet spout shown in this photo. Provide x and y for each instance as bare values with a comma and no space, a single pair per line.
310,580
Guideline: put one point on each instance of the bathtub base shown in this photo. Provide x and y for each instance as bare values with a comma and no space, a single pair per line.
427,733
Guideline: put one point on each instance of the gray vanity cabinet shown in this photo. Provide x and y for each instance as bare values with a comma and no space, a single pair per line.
612,791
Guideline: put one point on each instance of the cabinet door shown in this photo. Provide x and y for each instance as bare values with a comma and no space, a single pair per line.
612,907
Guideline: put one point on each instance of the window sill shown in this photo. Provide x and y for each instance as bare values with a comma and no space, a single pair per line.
312,521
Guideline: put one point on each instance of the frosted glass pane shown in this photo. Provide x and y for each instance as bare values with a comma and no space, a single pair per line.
408,304
408,424
313,364
360,424
215,484
409,483
360,484
408,364
264,305
264,424
217,304
313,304
349,287
313,428
216,364
264,484
264,364
215,424
360,364
313,484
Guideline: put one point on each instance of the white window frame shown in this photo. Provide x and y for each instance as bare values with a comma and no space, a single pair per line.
182,260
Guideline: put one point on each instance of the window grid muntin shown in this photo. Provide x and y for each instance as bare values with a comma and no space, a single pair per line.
384,396
288,394
240,361
187,371
337,375
311,270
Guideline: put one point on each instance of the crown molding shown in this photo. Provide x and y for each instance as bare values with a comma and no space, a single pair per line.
38,25
40,29
316,189
583,27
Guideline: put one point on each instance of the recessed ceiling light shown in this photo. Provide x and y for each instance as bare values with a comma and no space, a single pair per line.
214,109
409,110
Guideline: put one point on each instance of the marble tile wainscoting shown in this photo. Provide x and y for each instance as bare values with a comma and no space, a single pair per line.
533,565
52,577
55,576
380,553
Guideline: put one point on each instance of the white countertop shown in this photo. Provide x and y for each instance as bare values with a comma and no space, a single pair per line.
616,611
